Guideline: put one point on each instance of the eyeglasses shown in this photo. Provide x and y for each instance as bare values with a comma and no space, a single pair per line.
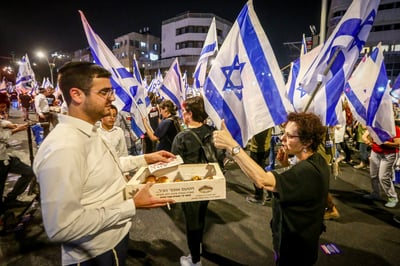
289,136
106,92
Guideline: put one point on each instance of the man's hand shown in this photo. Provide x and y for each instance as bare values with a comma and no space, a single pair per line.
144,199
159,156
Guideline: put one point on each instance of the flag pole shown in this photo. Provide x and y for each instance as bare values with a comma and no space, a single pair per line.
318,86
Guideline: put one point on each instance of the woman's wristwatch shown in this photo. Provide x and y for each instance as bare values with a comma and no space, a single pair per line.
235,150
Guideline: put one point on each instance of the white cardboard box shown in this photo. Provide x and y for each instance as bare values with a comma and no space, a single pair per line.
187,190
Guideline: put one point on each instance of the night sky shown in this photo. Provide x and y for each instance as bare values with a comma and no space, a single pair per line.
29,26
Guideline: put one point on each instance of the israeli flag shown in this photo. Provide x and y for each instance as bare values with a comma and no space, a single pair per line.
25,74
245,86
172,87
367,92
130,95
331,69
210,47
295,92
156,83
395,92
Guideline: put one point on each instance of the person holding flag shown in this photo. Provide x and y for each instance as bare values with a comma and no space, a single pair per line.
300,193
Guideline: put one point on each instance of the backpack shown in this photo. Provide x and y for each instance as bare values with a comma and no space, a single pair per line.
210,153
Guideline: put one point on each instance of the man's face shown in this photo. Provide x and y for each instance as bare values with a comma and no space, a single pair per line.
109,120
98,103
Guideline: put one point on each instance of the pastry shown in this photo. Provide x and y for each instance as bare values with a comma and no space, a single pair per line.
150,179
162,179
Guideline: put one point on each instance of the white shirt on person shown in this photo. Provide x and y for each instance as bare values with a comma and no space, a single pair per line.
41,104
81,188
116,137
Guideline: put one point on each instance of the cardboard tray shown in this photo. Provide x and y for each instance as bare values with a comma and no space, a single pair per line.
183,191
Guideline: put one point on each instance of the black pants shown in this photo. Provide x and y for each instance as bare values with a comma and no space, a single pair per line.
113,257
16,166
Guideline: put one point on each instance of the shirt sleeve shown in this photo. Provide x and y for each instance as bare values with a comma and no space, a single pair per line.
61,182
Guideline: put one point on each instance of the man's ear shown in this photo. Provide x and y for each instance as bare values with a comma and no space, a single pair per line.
76,95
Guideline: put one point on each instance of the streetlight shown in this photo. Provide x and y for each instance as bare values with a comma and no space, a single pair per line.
51,65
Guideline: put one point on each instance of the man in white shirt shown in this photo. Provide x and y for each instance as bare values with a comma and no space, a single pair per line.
81,177
43,110
113,134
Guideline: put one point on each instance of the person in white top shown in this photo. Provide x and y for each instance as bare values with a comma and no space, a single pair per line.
81,177
43,110
113,134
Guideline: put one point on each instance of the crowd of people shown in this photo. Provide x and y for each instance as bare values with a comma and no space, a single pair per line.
98,155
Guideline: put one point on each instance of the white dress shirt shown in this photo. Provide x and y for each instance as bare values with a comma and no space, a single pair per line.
81,190
41,104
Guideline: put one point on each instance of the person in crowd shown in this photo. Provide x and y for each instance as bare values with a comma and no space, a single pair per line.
341,145
81,180
168,127
381,168
25,101
9,163
114,134
259,150
154,120
53,102
43,110
5,111
124,121
300,192
362,146
185,145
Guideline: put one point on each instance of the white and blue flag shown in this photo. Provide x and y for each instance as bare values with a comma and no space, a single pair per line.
210,47
130,95
395,91
333,66
25,76
172,87
367,92
245,86
296,94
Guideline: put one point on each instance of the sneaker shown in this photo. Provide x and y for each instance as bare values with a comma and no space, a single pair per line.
187,261
371,196
360,166
10,204
396,218
254,200
331,214
391,203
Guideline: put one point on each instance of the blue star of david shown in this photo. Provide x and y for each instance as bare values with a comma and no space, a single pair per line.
228,72
302,92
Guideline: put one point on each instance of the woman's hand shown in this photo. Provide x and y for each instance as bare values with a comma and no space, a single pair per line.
223,139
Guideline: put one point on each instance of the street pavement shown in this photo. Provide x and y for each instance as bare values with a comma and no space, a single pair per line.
237,232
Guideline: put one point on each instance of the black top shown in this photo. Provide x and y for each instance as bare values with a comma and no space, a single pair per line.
188,147
166,132
298,210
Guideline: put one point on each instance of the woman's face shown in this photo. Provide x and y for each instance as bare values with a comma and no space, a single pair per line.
164,112
291,140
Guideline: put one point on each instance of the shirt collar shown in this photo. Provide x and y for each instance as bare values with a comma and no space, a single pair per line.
83,126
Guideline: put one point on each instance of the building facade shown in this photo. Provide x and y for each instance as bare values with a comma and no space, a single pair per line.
183,36
144,46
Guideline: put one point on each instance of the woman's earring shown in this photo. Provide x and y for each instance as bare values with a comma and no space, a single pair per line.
305,150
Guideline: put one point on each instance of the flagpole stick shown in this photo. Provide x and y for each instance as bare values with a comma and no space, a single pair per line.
318,86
